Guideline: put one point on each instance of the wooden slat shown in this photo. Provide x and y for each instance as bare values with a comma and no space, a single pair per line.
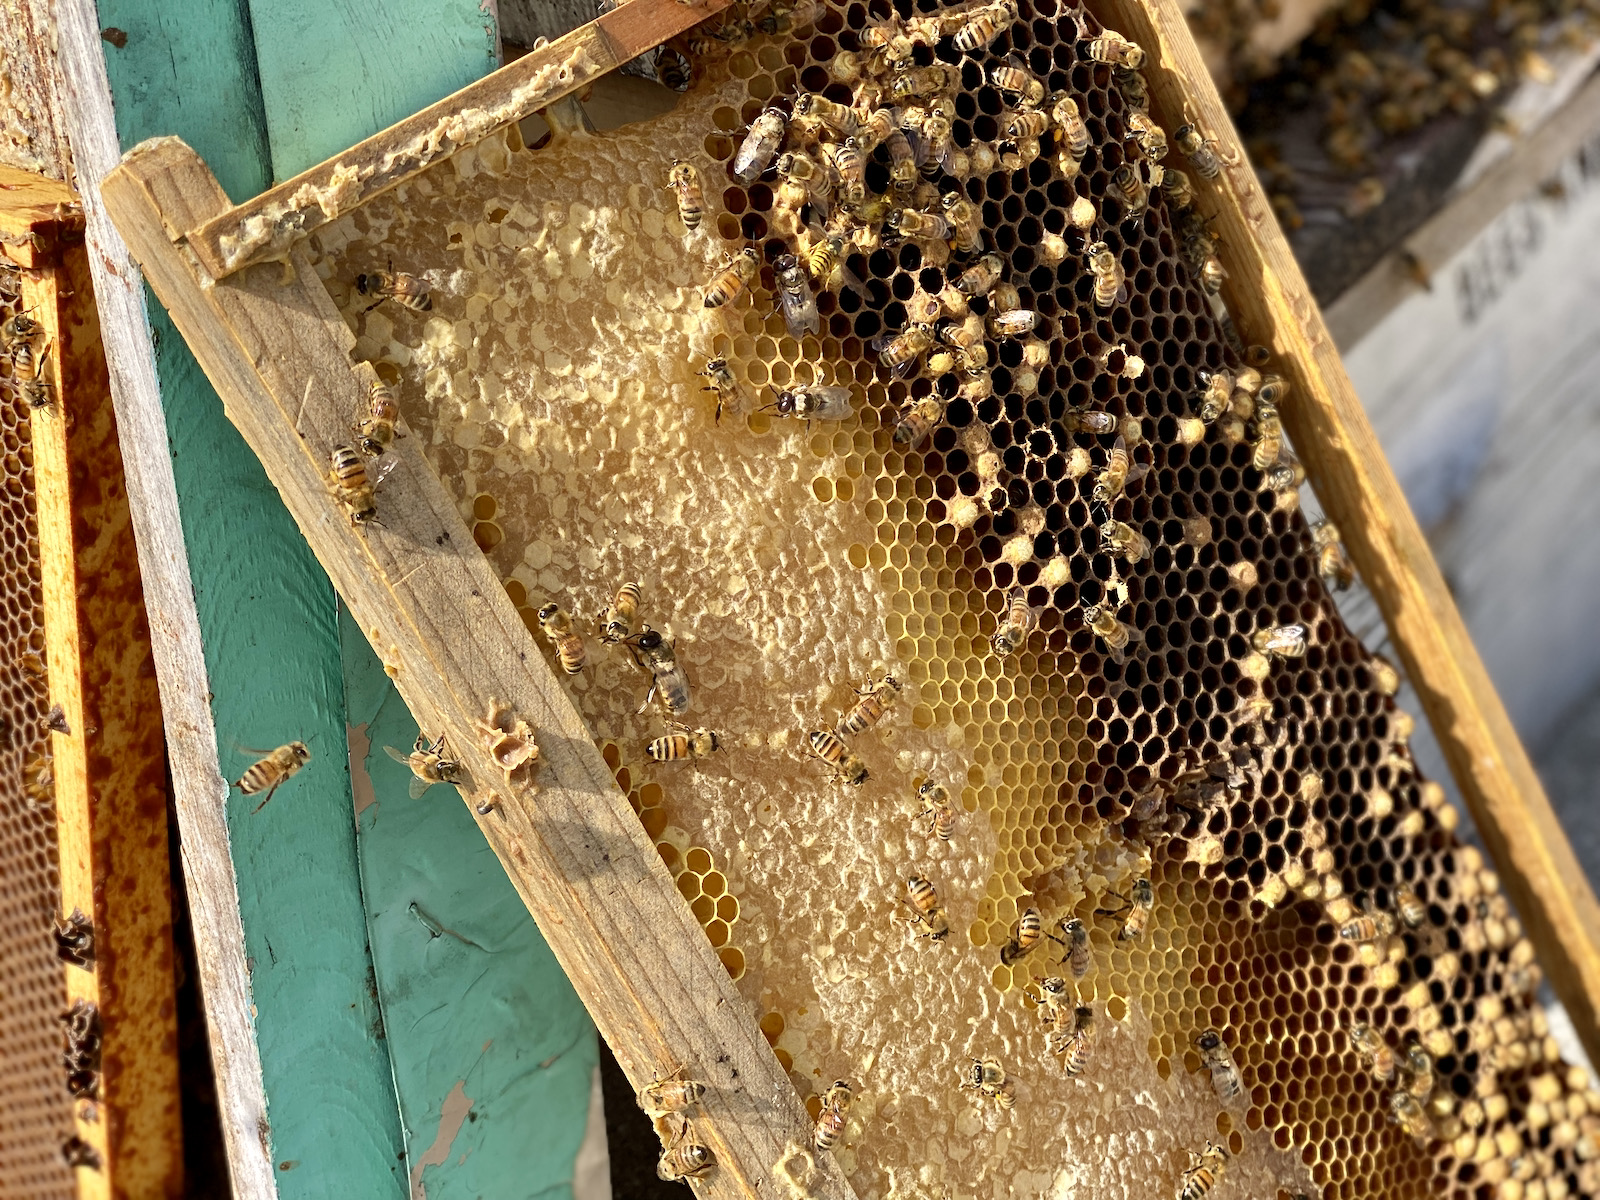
1405,270
269,226
36,215
111,788
1272,305
278,352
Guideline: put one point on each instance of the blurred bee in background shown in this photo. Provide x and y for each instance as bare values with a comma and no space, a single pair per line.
1407,1112
734,277
408,291
1412,911
1018,622
938,810
682,744
428,763
684,181
570,649
1218,1060
273,771
848,766
923,900
1333,564
670,1095
1026,933
621,613
874,701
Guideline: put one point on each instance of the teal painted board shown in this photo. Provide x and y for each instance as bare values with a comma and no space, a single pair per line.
493,1052
336,71
270,632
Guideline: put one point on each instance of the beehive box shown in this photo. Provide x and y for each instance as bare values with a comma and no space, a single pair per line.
555,386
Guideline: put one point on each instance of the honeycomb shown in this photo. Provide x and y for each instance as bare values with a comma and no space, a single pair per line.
556,385
35,1110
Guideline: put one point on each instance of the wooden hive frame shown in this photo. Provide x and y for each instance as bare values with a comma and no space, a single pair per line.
270,338
110,788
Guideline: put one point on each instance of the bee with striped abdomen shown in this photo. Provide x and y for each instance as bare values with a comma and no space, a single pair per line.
1013,323
355,489
683,744
759,145
979,279
1076,1050
1027,123
1199,150
1214,399
737,273
1054,1000
899,353
1111,48
620,614
684,180
1072,132
728,389
1406,1111
36,389
1026,934
831,1120
1333,564
1177,189
1151,137
1114,633
1124,541
823,258
1110,282
685,1158
668,679
1281,641
557,625
1409,906
808,177
1128,187
936,807
918,419
1269,436
813,108
1420,1076
1118,473
910,223
1203,1172
1074,941
1018,83
922,83
1018,622
1368,926
428,762
18,329
270,773
1218,1060
1369,1044
874,701
923,900
983,24
376,429
408,291
672,1094
847,765
1140,902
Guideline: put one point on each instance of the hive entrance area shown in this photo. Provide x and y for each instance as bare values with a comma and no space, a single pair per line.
1304,879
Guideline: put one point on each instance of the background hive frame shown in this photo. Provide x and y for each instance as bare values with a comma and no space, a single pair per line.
180,226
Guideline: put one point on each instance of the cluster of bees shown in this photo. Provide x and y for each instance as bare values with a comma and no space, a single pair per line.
24,341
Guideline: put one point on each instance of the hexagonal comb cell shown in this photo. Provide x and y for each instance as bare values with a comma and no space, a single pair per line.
1130,744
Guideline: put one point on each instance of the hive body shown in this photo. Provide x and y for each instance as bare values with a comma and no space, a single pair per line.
557,384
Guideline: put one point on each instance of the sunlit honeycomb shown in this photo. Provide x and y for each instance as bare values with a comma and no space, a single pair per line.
555,387
35,1109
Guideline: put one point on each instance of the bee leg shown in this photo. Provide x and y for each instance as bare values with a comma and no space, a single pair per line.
373,305
1119,910
648,696
263,803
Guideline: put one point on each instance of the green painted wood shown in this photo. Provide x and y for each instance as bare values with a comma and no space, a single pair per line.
269,625
493,1052
336,71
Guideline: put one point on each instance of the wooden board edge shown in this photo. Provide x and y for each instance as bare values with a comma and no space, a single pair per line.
269,226
1268,298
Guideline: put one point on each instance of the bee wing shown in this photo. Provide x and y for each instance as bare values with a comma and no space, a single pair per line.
386,465
397,755
843,278
418,786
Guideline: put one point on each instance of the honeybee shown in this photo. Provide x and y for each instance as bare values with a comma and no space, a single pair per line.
673,69
1114,633
1130,189
1013,78
667,676
831,1120
1211,275
983,24
1412,911
621,613
1124,541
1281,641
1287,475
19,328
759,145
1333,564
1218,1059
1117,473
1081,1042
557,626
683,743
796,297
986,1077
816,401
672,1094
1407,1112
976,384
823,259
1053,1000
966,232
917,420
918,83
1015,323
1074,941
734,277
1369,926
840,118
428,764
923,899
1073,133
1026,933
874,128
685,1158
1199,150
1273,389
847,765
1112,48
804,180
850,166
684,180
1093,421
908,222
405,290
727,388
1027,123
376,429
348,475
1177,189
1141,901
875,700
1134,89
902,162
36,389
1420,1078
1019,621
1203,1172
1110,283
1214,400
899,353
1269,436
982,275
1151,137
74,939
273,771
936,807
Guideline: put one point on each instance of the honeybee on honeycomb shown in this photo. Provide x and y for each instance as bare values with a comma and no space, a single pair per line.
759,145
1199,150
684,180
1026,933
1074,941
831,1119
1333,564
981,25
1281,641
683,745
668,679
798,301
408,291
815,402
1019,85
1075,1054
848,766
873,701
1116,634
1203,1173
726,386
1109,46
556,624
734,277
1019,621
1368,1043
988,1079
1217,1059
1136,907
923,900
376,429
1054,1000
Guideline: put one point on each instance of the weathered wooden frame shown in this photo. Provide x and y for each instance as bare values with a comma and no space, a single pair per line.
273,344
109,760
